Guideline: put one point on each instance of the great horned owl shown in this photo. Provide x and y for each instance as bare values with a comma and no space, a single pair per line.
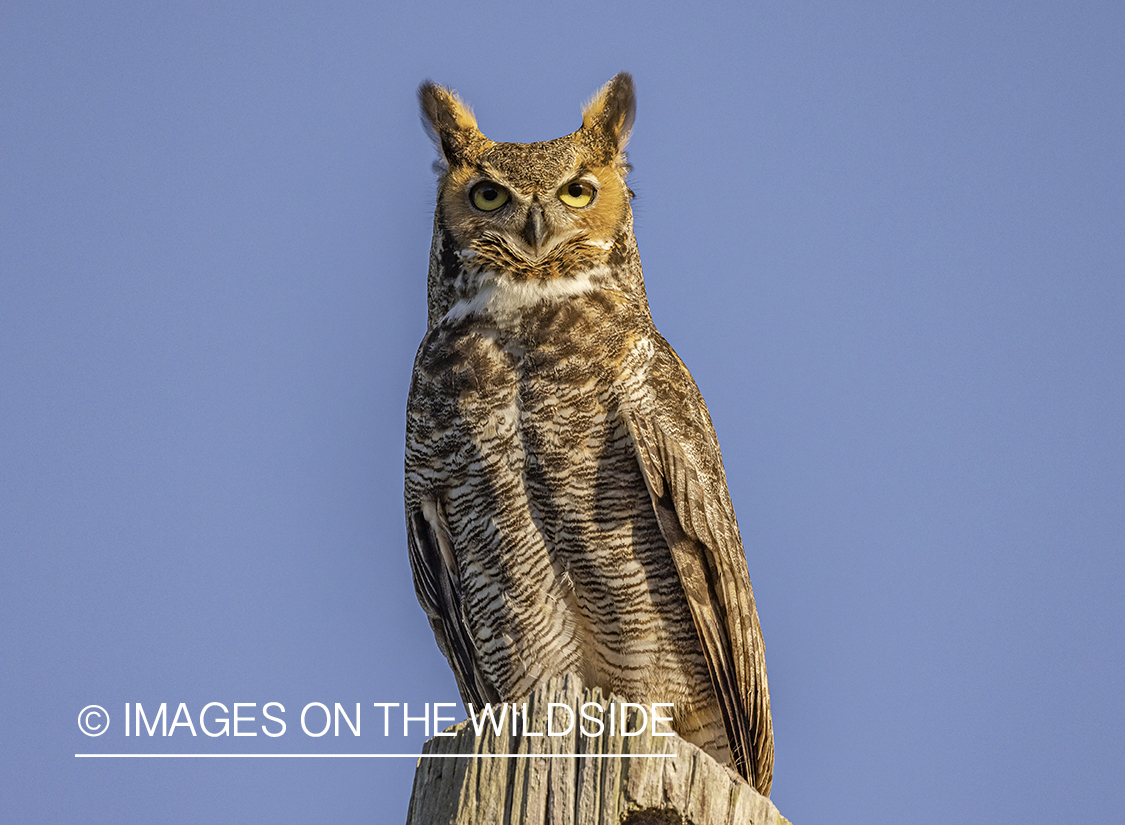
566,505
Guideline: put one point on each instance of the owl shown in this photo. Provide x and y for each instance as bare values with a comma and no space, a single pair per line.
566,504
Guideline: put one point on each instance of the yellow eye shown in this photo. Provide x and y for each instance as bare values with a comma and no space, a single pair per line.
488,196
577,194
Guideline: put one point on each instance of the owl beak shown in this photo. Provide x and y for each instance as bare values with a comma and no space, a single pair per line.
533,230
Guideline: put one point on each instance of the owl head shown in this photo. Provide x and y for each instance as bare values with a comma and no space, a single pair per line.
532,212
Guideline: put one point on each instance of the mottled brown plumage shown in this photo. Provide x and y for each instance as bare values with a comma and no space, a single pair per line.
566,505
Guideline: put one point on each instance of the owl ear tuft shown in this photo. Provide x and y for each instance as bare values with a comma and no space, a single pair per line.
612,109
448,121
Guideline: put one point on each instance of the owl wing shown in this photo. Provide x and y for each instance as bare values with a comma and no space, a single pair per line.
679,456
439,592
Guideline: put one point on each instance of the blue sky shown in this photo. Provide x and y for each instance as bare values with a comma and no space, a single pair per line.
888,240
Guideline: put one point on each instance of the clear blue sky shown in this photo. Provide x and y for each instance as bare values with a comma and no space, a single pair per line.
888,239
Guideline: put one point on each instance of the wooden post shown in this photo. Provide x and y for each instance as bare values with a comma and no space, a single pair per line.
519,778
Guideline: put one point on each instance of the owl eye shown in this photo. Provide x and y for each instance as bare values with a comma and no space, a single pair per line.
577,194
488,196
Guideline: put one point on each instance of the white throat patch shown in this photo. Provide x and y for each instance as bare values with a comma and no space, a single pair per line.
500,297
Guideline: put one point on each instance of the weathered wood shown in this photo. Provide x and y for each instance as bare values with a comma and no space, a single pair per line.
577,779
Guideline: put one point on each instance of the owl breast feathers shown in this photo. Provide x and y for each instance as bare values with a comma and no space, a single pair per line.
566,505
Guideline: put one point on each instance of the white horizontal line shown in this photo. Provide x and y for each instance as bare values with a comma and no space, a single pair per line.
368,755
